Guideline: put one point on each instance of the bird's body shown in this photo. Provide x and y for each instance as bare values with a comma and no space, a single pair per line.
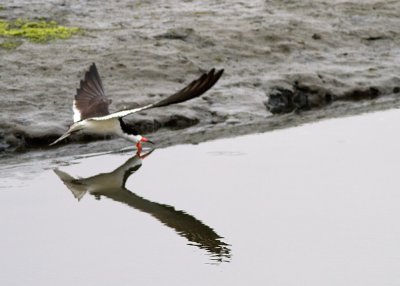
111,126
91,114
108,126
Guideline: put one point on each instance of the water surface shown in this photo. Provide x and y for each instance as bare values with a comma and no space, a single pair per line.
313,205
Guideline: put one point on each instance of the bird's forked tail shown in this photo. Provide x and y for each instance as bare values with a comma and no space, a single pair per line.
74,128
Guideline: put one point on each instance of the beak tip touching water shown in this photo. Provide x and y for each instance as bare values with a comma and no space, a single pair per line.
144,139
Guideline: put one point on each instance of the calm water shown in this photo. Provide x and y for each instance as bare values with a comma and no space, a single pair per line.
313,205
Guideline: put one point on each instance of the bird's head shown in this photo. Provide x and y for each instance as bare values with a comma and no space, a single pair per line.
141,138
131,134
136,138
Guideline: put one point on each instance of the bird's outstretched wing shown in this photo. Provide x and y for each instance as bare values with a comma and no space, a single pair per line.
194,89
90,99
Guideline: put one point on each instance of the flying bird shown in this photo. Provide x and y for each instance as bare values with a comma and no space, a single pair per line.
91,113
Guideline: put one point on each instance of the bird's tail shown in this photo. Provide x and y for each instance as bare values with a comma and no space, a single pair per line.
74,128
65,135
77,189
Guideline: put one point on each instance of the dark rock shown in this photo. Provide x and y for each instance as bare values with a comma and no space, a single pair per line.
302,98
361,94
173,122
176,34
280,101
146,126
316,37
375,38
306,98
177,121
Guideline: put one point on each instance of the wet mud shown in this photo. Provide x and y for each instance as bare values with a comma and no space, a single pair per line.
286,63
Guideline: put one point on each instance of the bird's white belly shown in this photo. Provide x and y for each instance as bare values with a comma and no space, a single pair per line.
110,126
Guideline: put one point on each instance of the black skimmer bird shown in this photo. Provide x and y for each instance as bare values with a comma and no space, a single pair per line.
112,186
91,114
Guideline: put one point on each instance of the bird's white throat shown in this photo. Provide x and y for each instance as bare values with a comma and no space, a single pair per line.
131,137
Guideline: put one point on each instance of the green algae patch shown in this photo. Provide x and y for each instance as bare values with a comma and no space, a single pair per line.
10,45
36,31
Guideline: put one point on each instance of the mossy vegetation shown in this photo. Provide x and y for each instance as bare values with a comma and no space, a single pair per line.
10,44
40,31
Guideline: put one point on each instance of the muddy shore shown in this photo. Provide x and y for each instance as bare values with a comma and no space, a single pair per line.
286,63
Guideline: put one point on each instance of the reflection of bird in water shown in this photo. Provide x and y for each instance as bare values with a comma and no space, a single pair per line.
112,185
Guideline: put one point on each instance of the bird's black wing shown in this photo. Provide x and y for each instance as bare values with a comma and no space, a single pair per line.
192,90
90,99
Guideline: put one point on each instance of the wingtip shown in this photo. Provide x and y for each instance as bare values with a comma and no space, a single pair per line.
92,68
215,72
218,74
92,72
